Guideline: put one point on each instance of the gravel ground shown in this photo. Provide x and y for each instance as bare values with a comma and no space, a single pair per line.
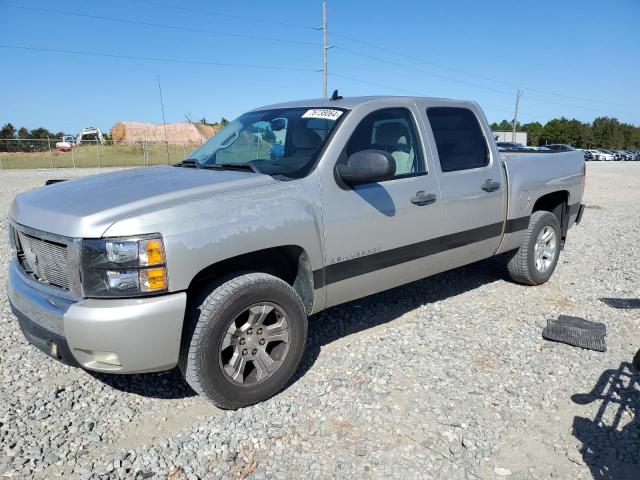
444,378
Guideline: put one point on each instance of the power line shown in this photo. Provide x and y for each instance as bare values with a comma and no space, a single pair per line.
425,72
458,70
353,52
374,84
391,51
220,64
464,82
161,25
221,14
418,94
340,35
157,59
234,65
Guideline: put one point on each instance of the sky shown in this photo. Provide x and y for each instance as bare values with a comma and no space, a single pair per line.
573,58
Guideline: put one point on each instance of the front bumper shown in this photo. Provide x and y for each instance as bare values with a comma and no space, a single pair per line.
115,335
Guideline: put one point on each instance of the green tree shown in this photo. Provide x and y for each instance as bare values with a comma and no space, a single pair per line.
8,131
534,133
505,126
41,133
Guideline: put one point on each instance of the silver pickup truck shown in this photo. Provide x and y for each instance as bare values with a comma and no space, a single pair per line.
214,264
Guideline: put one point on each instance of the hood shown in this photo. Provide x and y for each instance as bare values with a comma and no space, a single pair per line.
86,207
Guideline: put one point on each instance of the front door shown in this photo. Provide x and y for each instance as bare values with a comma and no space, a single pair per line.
376,234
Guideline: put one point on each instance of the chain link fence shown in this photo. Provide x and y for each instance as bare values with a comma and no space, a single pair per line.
43,153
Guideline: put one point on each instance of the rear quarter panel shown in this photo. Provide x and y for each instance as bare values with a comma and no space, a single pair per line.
531,176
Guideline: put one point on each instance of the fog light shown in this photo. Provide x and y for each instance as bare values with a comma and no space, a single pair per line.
53,349
109,358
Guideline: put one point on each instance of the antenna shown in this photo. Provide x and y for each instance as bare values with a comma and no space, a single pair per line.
335,96
164,124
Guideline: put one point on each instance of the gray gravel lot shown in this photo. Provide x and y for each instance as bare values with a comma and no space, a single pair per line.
444,378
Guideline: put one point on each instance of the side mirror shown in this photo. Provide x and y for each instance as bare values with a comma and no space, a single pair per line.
367,166
278,124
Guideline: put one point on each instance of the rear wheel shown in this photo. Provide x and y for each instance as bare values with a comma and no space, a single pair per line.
244,340
536,259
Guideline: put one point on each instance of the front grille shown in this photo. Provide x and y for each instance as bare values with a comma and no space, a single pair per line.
12,238
44,259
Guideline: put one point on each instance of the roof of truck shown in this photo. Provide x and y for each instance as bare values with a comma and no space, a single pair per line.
349,102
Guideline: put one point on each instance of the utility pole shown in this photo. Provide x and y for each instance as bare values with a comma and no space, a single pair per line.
515,117
164,124
324,49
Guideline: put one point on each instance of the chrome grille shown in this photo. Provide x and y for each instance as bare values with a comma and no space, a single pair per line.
44,259
12,238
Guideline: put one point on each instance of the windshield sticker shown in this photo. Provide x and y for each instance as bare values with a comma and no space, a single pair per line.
325,113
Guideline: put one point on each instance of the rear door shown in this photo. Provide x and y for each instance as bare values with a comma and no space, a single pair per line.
473,191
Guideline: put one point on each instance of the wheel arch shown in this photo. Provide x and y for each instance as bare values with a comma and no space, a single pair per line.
557,203
290,263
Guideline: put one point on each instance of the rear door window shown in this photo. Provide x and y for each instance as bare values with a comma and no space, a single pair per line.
459,139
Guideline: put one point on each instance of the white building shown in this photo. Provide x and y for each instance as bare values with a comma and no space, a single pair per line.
521,137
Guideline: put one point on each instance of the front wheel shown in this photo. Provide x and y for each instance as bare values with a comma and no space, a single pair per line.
244,341
536,259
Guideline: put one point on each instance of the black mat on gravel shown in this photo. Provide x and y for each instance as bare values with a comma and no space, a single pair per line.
577,332
622,302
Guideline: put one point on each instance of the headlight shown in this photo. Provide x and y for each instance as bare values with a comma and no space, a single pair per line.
123,267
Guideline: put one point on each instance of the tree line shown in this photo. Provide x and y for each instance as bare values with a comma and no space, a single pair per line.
603,132
10,134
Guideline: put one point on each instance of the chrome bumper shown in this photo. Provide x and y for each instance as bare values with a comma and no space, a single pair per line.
115,335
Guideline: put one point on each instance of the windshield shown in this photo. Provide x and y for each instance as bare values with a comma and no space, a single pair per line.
282,142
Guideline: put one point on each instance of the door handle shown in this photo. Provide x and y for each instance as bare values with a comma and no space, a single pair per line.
424,198
490,185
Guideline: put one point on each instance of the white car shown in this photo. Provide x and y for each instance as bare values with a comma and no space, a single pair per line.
606,155
595,154
67,143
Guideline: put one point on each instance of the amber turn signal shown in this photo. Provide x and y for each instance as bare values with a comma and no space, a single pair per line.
152,252
153,279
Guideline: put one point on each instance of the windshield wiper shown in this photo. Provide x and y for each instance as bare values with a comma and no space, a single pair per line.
188,163
244,167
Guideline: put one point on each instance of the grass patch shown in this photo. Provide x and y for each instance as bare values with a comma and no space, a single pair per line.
101,156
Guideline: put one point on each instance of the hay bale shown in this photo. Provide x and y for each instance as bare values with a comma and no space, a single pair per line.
207,130
131,132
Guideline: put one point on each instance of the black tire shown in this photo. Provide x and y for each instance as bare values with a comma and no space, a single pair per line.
207,324
521,265
636,360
